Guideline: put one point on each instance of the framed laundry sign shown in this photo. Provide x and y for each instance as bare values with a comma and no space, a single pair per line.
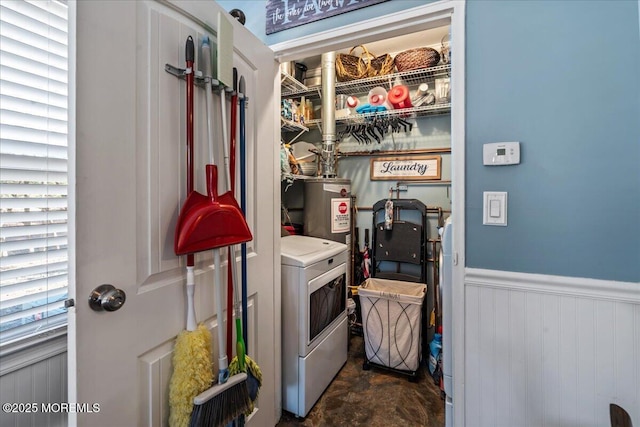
409,168
284,14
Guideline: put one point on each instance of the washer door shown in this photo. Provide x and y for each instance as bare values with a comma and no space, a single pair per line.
325,301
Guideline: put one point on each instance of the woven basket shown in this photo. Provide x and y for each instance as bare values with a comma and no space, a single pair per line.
414,59
377,65
351,67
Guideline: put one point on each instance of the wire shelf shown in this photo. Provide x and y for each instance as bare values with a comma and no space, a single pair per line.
293,88
406,113
289,84
409,78
291,126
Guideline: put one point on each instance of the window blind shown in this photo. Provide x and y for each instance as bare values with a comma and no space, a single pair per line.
33,167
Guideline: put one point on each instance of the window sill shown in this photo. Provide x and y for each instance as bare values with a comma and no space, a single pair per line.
29,351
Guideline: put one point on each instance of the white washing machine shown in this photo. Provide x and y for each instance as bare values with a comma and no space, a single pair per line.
314,318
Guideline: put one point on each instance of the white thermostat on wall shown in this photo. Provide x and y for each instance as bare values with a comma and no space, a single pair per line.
501,153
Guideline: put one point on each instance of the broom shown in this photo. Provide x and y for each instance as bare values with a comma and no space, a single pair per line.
229,398
192,362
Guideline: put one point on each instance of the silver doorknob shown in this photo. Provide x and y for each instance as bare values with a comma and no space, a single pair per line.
107,297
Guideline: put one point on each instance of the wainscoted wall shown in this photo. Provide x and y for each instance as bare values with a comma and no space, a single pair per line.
36,375
549,350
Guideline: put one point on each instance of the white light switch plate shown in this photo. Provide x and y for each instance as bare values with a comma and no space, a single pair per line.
494,208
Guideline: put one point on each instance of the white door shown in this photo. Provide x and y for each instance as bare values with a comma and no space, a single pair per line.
129,130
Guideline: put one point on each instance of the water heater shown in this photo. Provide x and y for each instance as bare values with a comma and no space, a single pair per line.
327,208
327,212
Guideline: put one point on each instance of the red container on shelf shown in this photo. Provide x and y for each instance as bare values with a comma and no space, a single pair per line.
399,97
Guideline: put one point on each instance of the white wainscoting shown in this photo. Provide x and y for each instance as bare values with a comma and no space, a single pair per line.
548,350
36,375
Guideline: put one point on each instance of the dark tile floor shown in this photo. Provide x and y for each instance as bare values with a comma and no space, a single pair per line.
373,398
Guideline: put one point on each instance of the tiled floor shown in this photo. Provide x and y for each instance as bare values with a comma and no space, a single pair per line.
373,398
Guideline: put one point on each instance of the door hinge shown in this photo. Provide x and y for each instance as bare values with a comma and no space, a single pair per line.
455,258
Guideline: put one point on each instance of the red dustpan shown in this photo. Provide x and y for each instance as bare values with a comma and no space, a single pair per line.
211,221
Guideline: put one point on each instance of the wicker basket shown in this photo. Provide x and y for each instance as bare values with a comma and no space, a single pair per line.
414,59
351,67
377,65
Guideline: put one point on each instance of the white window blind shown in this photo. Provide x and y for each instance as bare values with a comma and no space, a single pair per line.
33,167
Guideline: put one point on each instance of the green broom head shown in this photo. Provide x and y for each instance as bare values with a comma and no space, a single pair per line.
192,373
254,377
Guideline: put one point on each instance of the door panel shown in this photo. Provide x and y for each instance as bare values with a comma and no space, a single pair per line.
130,144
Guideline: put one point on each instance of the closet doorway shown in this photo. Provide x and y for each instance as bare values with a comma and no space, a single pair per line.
402,23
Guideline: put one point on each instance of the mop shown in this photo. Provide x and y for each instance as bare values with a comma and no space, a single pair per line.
228,399
192,373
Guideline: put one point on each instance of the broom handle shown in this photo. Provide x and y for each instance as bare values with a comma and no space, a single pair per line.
191,312
206,58
230,259
212,180
231,270
189,55
189,58
223,362
243,206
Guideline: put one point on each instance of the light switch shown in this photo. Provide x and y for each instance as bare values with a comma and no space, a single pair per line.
494,208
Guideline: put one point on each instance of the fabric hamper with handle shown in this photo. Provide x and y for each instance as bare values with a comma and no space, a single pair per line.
392,322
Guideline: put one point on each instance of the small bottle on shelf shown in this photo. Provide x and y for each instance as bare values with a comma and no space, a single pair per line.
309,110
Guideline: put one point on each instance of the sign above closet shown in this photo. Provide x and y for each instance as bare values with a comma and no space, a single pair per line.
284,14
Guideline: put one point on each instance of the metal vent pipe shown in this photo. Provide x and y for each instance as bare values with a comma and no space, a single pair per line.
328,155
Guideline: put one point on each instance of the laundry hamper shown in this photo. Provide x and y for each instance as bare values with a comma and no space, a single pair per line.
392,324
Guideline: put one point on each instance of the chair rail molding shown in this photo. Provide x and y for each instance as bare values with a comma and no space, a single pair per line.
560,285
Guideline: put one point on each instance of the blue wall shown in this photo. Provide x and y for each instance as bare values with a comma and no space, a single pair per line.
563,78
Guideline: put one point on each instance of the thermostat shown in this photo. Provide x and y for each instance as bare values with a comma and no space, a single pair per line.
501,153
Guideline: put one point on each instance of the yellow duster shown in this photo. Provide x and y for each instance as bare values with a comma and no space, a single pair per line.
192,373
